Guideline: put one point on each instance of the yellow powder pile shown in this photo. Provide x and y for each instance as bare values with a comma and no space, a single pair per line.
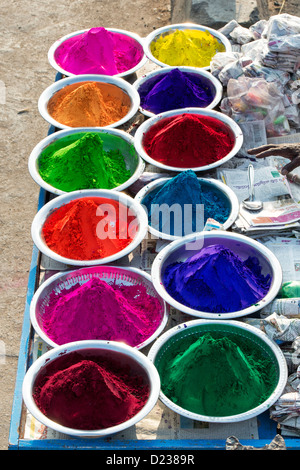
188,47
89,104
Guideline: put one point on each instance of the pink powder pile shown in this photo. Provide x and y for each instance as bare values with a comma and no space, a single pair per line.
98,310
98,51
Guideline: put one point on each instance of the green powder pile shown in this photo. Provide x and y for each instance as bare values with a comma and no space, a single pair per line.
214,376
82,164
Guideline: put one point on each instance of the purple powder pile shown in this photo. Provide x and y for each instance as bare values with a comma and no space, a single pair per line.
175,90
216,280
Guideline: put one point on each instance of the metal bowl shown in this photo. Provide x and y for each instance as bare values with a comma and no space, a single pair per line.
125,355
61,282
123,142
165,30
209,80
53,48
55,87
57,202
214,184
223,118
230,329
180,250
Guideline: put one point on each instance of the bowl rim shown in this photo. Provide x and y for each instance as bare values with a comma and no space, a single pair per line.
58,201
53,280
52,354
35,154
168,28
282,365
193,70
58,85
226,120
216,234
52,49
222,187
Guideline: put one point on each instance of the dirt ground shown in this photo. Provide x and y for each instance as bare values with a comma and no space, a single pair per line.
28,29
276,7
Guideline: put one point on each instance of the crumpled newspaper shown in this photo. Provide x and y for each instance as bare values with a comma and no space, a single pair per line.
232,443
278,327
286,410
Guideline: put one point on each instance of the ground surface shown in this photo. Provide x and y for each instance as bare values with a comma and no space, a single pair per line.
25,37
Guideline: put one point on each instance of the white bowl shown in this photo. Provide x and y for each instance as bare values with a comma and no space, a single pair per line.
61,282
133,162
183,248
165,30
208,78
259,339
56,44
49,207
120,83
123,352
226,120
227,192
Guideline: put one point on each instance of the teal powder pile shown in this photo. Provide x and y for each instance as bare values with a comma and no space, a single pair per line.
215,375
193,201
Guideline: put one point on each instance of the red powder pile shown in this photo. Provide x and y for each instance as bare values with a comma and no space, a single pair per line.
92,393
89,228
188,141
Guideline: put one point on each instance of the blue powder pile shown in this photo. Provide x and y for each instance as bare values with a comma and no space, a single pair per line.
216,280
193,201
175,90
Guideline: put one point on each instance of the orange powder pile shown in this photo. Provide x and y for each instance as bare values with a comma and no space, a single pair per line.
89,104
89,228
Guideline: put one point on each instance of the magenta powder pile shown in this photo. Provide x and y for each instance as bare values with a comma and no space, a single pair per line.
101,311
99,51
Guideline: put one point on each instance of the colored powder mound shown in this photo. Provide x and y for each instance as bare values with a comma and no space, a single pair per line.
89,393
241,377
89,104
89,228
98,310
99,51
216,280
175,90
186,47
182,205
188,141
82,164
289,289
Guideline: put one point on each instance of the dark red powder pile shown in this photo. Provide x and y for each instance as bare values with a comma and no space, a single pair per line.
188,141
89,393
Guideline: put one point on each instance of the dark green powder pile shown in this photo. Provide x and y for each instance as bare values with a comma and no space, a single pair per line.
215,376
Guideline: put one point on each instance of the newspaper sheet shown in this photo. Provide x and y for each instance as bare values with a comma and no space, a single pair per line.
280,210
287,251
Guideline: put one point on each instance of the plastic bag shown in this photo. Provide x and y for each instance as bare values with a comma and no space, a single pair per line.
256,70
258,28
255,99
283,33
228,28
255,49
233,70
242,35
221,59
